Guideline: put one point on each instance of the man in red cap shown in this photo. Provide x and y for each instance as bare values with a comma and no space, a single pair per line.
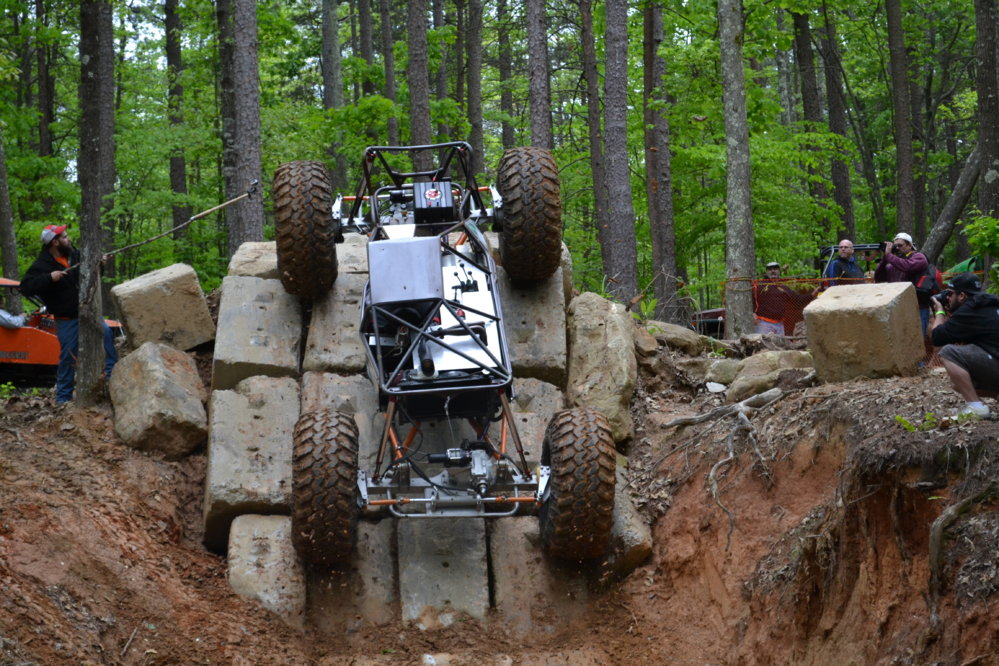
54,277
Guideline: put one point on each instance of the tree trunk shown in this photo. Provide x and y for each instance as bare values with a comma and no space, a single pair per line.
987,79
96,184
659,178
622,271
388,55
46,93
505,67
902,120
842,192
740,248
811,103
332,71
944,226
440,81
785,77
597,166
539,87
175,111
419,83
365,28
474,43
8,239
241,124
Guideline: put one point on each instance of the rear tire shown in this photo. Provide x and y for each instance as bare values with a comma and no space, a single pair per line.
304,228
578,512
324,472
531,227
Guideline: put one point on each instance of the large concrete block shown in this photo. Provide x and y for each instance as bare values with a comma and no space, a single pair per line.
442,570
334,343
255,260
263,566
249,453
534,319
602,365
259,333
166,305
631,538
352,254
159,400
355,395
865,330
532,591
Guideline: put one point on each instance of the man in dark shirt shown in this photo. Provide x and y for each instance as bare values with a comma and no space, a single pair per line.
966,325
54,278
844,265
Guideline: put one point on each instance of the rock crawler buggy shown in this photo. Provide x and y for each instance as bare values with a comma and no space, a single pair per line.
431,322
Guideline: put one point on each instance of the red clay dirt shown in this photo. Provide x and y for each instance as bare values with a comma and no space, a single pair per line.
814,548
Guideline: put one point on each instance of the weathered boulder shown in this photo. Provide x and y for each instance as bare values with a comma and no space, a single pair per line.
534,319
761,372
645,343
676,337
631,538
602,365
865,330
159,400
166,305
249,453
263,566
723,370
334,341
259,332
255,260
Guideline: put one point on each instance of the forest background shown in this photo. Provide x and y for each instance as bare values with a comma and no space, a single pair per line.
844,119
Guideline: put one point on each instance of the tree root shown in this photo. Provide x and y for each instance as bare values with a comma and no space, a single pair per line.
943,521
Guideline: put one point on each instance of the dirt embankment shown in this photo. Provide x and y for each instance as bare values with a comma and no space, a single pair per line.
808,542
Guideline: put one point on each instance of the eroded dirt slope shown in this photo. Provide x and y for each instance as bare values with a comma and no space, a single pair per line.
806,543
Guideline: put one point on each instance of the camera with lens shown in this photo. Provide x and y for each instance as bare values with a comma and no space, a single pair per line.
944,298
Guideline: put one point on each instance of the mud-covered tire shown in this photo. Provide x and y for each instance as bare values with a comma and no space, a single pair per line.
578,512
304,228
531,221
324,472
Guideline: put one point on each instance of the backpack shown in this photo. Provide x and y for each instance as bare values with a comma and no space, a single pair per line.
928,284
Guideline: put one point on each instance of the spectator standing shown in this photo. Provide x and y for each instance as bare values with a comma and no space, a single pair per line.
770,298
844,266
54,278
966,324
901,263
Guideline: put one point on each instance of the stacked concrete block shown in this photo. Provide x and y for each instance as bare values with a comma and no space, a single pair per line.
442,570
259,331
355,395
159,400
534,319
255,260
166,305
263,566
865,330
334,342
249,453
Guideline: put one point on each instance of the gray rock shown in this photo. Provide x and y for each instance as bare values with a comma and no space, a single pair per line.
334,342
159,400
723,371
263,566
761,372
534,319
631,538
676,337
165,305
602,366
255,260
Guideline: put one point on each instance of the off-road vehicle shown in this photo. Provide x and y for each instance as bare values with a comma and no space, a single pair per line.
431,322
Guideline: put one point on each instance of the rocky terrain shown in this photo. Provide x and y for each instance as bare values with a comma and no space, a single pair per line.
842,523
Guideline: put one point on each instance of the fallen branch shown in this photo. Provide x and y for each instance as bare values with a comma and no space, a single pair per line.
749,405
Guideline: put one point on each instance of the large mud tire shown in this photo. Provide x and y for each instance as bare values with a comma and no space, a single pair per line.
304,228
324,472
531,227
577,515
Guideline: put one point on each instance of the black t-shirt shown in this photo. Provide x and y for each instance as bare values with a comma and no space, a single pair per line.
975,322
841,268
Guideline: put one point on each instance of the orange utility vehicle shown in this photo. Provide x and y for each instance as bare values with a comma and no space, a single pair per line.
30,355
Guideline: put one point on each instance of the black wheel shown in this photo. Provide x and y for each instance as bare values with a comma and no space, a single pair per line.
324,513
304,228
530,231
577,514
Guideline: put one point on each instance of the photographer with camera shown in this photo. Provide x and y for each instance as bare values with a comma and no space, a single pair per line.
901,263
966,324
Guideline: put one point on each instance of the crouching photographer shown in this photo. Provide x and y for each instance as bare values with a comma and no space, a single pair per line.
966,324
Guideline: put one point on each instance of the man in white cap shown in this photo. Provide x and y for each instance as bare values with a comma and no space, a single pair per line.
901,263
